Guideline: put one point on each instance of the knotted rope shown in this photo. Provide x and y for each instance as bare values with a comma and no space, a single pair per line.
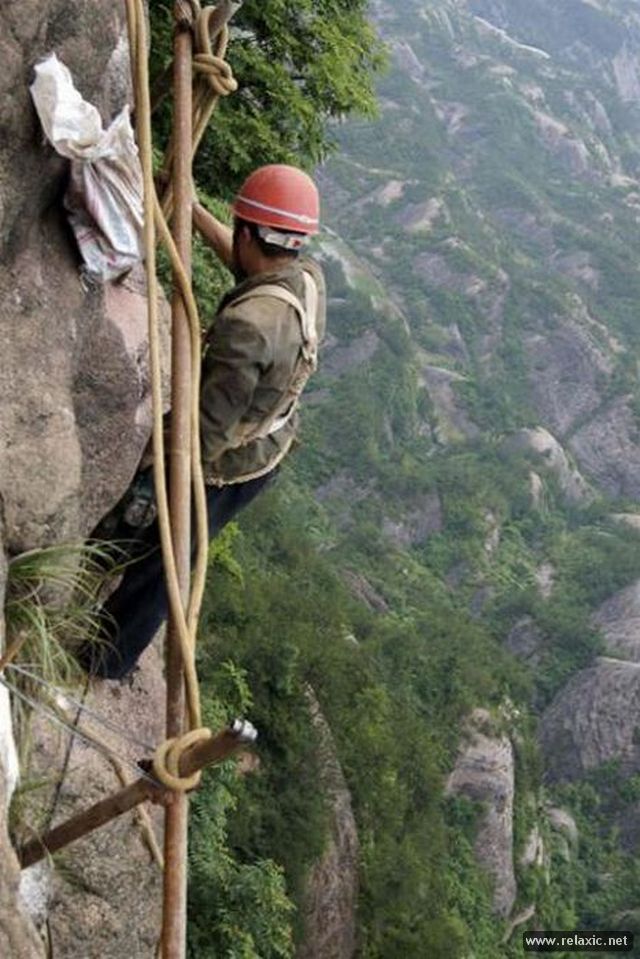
167,758
213,78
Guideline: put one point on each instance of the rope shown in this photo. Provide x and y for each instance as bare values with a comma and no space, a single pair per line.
213,79
214,75
53,713
81,706
166,760
57,715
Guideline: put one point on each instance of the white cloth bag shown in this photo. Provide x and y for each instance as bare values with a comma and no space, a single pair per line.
104,197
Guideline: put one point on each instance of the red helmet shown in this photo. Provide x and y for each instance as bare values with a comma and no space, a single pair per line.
279,196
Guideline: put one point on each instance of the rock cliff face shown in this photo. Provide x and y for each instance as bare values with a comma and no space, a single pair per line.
103,898
329,913
594,720
484,773
74,381
74,389
595,717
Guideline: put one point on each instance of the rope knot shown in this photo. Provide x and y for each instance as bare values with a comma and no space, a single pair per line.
166,760
217,71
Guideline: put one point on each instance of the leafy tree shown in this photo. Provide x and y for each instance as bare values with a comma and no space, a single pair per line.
298,66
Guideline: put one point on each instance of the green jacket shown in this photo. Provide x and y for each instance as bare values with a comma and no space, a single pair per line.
250,355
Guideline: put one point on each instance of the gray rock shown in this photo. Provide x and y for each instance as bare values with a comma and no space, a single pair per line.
566,371
592,720
625,70
342,359
550,454
18,936
74,419
341,493
484,772
332,886
545,578
579,266
619,620
106,901
562,821
533,852
421,520
526,640
420,217
360,587
74,379
454,423
529,226
607,448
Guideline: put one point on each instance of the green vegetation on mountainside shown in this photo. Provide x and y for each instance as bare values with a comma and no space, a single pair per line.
456,288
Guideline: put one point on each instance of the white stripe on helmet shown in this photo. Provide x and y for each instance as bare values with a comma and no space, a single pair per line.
300,217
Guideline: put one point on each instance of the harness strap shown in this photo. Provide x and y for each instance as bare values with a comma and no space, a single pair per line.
306,363
307,313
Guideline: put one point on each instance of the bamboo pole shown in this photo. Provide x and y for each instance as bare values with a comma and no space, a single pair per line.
86,822
202,754
174,924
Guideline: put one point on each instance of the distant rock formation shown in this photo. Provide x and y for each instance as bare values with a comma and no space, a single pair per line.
332,886
592,720
550,455
619,620
484,773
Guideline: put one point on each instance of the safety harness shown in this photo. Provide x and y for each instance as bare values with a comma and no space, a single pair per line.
307,361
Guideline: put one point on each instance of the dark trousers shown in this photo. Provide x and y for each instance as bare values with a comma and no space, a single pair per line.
135,611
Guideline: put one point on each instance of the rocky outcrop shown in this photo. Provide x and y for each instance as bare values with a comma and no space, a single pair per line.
332,886
567,369
74,377
421,520
608,450
526,640
339,360
627,76
74,404
360,587
484,773
619,620
453,421
105,902
18,937
533,852
563,822
421,217
571,151
592,720
550,455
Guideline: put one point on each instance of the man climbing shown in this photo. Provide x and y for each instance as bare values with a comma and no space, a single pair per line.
257,358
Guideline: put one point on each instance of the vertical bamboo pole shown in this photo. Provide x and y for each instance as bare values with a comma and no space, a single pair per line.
176,815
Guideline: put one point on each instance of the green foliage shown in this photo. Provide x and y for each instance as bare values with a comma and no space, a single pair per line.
237,910
398,661
297,68
51,605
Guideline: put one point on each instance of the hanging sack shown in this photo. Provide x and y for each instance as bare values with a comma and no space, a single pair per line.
104,197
